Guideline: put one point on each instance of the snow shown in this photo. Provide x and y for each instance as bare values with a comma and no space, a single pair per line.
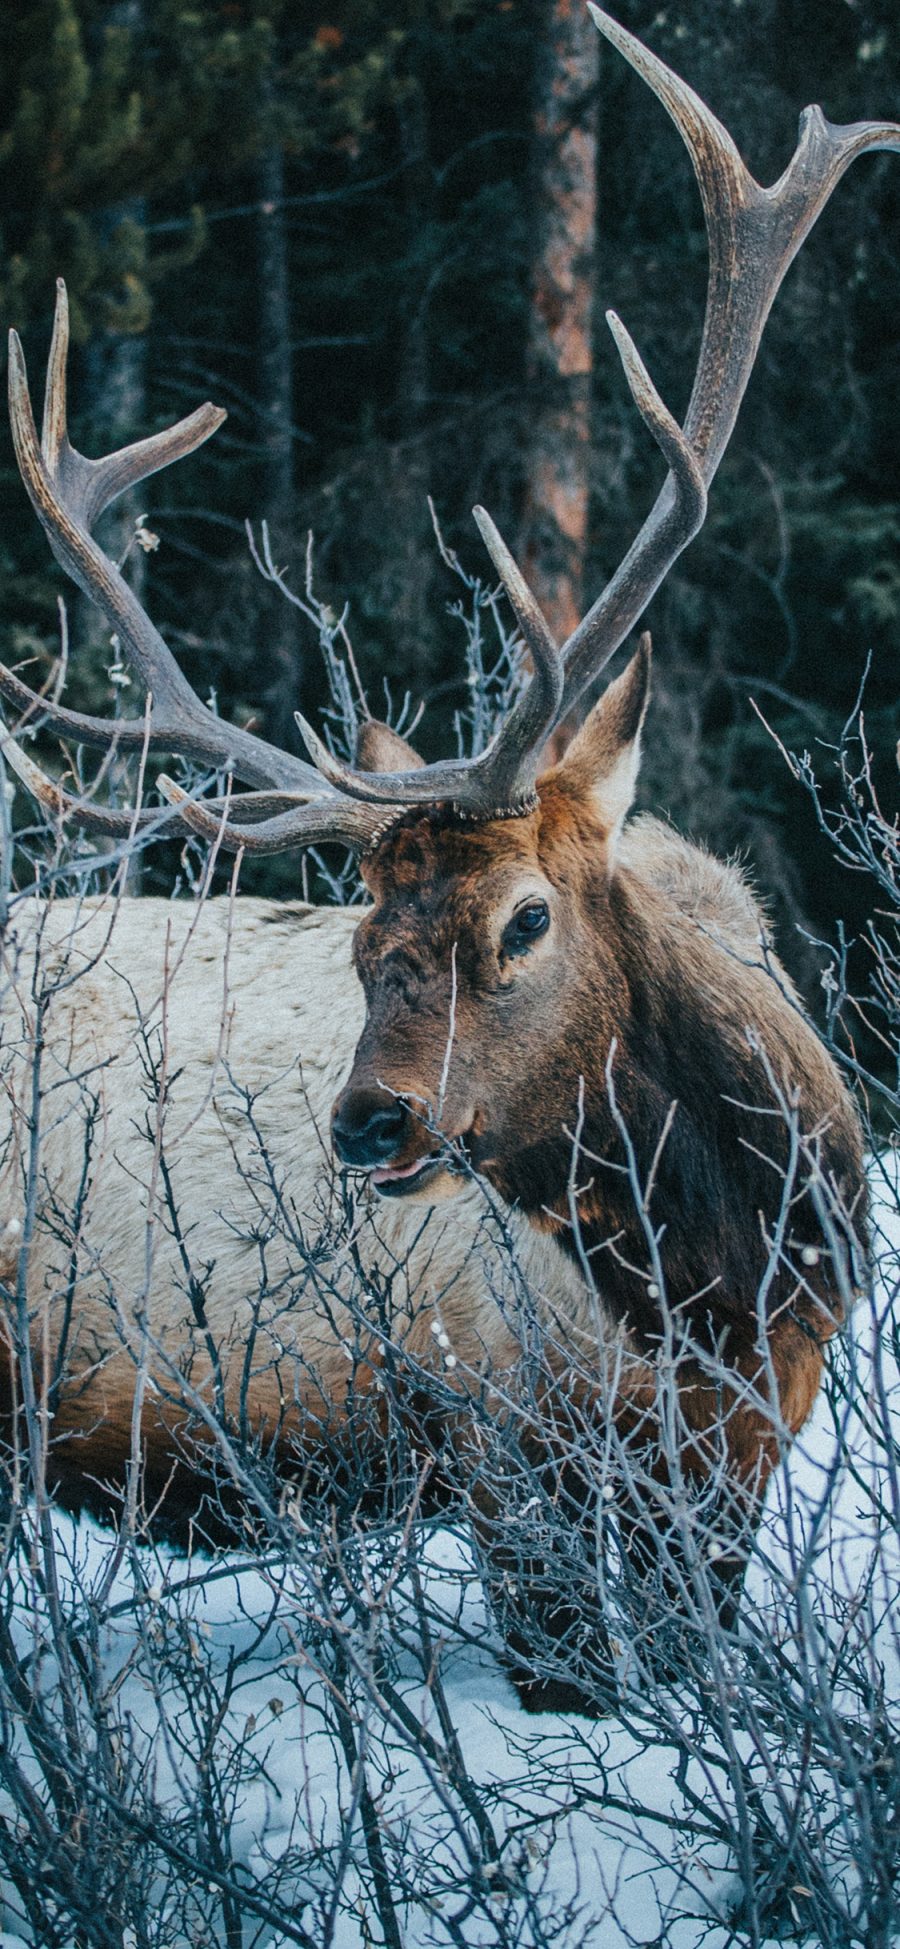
607,1873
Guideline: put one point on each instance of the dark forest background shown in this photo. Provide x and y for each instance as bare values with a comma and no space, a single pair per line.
385,237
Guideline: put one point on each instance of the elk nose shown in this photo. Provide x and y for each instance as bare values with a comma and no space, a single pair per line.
368,1128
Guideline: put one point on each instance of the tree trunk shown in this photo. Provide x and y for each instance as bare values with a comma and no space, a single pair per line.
112,399
111,403
284,654
275,373
411,481
555,522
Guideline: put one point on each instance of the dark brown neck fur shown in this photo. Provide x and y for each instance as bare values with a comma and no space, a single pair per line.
719,1180
651,966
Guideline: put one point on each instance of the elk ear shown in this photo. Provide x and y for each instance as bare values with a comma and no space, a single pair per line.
603,758
378,748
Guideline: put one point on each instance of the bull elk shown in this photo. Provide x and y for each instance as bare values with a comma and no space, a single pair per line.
544,999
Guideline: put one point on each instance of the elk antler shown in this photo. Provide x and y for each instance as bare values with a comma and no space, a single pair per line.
69,493
500,781
754,235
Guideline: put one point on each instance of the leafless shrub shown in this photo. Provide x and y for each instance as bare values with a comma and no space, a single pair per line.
296,1728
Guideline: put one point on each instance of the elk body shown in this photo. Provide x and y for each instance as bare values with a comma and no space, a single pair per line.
190,1058
565,1026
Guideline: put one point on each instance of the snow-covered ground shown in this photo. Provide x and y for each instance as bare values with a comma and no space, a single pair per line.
582,1816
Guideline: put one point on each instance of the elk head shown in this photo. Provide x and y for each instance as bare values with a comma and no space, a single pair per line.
489,964
493,883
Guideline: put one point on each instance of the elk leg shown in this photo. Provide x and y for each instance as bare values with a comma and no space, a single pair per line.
545,1603
537,1543
677,1596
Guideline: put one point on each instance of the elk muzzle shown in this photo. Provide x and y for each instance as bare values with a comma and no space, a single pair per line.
382,1134
369,1126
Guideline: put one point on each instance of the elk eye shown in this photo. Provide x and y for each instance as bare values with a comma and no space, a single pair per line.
526,926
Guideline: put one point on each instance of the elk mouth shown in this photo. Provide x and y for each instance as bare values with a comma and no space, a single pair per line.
396,1182
408,1180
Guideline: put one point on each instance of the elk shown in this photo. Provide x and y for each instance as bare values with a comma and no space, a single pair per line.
543,1003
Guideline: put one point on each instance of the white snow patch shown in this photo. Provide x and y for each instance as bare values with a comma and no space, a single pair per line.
622,1876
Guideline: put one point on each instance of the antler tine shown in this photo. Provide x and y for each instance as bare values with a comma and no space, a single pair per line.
55,432
68,493
514,754
754,235
501,779
91,486
267,808
128,733
63,805
689,487
342,821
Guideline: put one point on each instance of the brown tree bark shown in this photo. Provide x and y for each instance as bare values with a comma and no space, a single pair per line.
275,365
281,633
112,399
411,478
555,521
111,396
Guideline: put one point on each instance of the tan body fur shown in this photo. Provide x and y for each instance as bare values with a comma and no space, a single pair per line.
229,998
233,997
